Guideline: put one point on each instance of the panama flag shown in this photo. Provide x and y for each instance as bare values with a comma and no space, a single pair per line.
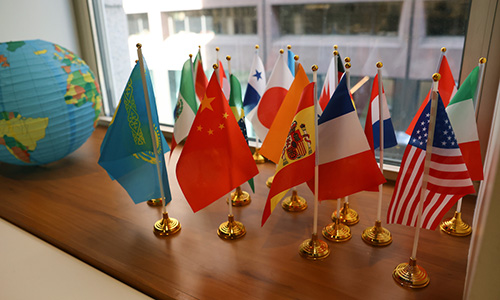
448,178
296,164
329,84
263,115
223,81
462,118
256,85
346,162
372,125
447,89
201,80
186,107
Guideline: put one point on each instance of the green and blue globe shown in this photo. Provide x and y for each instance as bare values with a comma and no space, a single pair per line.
49,102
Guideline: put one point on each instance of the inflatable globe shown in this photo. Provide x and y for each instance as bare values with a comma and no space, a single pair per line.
49,102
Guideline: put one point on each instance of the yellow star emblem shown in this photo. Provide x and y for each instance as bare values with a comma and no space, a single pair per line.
225,115
207,103
199,128
221,126
210,132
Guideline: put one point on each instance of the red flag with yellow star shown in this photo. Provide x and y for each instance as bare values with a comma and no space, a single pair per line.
215,158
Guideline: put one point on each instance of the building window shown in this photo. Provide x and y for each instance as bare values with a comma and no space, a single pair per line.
446,17
137,23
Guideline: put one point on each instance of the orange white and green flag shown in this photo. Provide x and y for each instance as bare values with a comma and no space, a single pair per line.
296,164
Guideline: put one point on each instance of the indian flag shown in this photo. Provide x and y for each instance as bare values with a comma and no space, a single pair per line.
462,117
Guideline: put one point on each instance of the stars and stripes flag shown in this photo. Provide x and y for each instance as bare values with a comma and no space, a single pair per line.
448,178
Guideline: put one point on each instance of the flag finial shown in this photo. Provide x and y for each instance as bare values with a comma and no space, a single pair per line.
347,59
199,46
289,47
228,57
136,61
314,68
335,47
217,48
282,51
347,65
296,57
215,66
443,49
379,64
138,45
436,77
335,53
257,46
190,55
482,60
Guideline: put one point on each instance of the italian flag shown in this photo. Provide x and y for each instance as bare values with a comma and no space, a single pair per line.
186,107
462,117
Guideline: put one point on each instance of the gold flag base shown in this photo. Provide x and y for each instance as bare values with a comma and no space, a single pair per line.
269,181
166,226
240,198
314,249
155,202
231,229
348,216
377,235
456,226
258,158
411,275
294,203
337,232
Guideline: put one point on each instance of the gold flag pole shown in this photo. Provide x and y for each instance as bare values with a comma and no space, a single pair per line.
410,274
238,197
314,248
455,226
294,202
165,226
378,235
347,215
337,231
259,159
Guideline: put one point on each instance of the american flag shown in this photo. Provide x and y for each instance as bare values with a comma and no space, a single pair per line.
448,178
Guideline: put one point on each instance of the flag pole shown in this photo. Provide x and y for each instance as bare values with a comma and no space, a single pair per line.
455,226
347,215
378,235
335,67
259,159
166,226
314,248
294,202
192,67
410,274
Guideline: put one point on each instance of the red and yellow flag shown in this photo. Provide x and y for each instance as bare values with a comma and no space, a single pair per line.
275,139
296,164
215,158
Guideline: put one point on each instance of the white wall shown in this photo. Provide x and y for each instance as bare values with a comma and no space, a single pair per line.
50,20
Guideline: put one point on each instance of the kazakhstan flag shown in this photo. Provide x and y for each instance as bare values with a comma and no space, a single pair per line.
127,149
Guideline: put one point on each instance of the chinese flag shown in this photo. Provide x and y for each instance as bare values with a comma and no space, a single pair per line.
216,158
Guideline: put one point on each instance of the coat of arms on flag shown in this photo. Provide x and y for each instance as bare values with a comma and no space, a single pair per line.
298,143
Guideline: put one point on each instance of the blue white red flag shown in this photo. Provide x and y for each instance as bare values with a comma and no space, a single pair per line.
256,85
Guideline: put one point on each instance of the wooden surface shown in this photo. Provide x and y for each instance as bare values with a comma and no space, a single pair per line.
74,205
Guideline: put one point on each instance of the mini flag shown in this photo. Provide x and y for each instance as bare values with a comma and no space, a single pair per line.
127,149
236,105
262,116
186,107
256,85
215,158
346,162
201,80
296,164
448,178
275,139
447,89
291,61
224,83
372,125
462,118
329,84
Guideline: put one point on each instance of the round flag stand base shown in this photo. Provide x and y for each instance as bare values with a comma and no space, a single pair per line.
269,181
456,226
348,216
231,229
240,198
166,226
377,235
294,203
259,159
155,202
411,275
337,232
314,249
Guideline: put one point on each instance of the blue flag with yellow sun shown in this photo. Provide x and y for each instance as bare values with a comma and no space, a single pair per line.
127,149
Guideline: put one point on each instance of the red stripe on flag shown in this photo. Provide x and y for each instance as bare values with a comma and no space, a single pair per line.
449,175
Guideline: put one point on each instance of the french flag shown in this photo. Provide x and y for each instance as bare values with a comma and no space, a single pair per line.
256,85
346,162
372,125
